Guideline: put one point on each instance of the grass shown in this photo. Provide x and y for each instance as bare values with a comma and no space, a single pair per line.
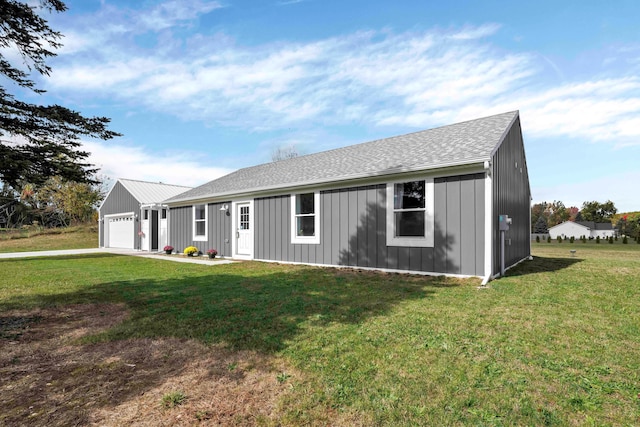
36,239
555,342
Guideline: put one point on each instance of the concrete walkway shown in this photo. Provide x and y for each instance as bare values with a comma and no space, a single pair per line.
176,258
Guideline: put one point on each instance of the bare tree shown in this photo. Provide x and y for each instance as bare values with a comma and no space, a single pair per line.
284,153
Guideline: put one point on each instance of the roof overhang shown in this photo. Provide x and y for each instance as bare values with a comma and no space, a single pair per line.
466,166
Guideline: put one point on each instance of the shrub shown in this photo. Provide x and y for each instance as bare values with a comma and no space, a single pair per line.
624,240
610,239
572,239
537,239
597,239
559,239
548,239
191,250
616,238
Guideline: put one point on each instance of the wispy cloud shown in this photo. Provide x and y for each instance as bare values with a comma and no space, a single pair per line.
127,161
414,78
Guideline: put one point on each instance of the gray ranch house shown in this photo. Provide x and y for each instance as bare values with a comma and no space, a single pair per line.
427,202
132,215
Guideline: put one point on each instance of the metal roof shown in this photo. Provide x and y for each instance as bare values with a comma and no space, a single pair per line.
458,144
152,192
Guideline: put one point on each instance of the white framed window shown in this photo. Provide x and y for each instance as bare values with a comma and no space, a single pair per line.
164,214
305,218
145,214
410,213
200,222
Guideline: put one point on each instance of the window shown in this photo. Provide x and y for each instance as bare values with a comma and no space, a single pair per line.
145,214
410,213
200,222
305,218
164,214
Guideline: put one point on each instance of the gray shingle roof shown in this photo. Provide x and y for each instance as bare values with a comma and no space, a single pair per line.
596,225
457,144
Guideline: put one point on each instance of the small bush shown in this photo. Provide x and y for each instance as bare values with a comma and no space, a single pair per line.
559,239
537,239
548,239
610,239
624,240
572,239
598,239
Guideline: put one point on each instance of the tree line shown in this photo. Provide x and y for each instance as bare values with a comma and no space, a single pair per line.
546,215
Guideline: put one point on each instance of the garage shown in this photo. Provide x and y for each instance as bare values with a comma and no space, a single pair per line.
132,215
120,231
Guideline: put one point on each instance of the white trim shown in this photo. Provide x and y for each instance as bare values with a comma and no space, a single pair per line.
488,226
309,240
429,226
234,229
206,223
119,214
383,270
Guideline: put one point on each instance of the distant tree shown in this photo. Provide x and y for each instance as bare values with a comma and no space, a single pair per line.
38,141
557,213
541,226
598,212
284,153
578,217
573,213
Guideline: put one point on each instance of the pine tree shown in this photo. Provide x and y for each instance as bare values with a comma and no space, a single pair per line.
38,141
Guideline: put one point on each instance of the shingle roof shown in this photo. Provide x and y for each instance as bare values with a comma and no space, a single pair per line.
596,225
152,192
457,144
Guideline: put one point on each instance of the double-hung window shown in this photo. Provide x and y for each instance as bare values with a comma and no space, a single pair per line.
410,213
200,222
305,218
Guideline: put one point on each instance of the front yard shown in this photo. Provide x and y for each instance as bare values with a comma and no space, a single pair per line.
113,340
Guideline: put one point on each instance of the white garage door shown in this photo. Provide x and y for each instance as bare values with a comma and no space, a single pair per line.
120,232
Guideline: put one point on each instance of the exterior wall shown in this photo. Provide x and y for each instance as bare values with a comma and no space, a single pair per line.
602,233
511,196
353,230
119,200
218,231
569,229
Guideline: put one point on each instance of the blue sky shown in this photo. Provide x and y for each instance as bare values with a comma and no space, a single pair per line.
200,88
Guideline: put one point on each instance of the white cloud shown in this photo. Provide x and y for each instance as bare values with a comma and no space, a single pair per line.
415,78
132,162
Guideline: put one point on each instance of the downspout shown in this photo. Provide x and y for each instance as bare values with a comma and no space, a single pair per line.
488,224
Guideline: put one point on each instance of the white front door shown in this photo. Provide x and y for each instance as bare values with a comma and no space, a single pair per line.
244,229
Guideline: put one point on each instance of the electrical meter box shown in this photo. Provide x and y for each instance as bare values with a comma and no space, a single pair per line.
505,221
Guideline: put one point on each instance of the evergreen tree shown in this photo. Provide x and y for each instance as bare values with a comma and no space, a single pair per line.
38,141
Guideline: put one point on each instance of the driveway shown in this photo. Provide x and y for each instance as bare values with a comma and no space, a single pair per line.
175,258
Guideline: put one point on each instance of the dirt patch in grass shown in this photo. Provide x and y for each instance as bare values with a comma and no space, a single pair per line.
48,378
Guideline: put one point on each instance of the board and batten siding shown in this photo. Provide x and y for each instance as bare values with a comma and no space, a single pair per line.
118,201
218,229
511,196
353,230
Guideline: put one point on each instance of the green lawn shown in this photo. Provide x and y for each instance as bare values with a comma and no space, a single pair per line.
29,240
556,342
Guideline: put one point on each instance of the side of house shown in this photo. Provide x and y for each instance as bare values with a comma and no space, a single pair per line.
361,207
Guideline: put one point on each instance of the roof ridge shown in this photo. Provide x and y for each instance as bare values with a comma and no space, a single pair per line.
151,182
